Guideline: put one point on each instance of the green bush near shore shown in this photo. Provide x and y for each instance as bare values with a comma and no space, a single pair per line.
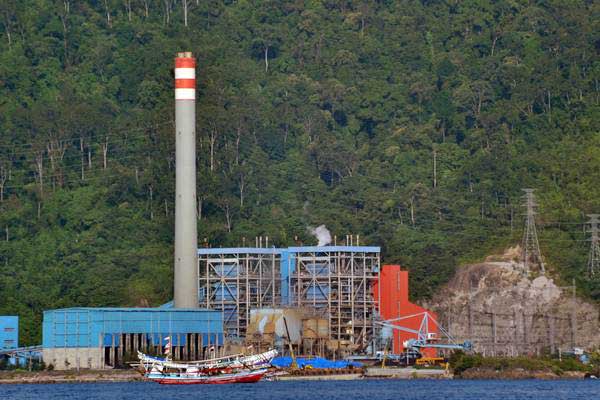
461,362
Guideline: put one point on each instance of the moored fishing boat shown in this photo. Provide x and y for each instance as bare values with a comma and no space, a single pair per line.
192,378
237,368
254,361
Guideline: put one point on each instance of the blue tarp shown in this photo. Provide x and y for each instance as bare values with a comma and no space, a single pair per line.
316,362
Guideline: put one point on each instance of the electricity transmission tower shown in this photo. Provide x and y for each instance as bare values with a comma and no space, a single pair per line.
531,245
594,257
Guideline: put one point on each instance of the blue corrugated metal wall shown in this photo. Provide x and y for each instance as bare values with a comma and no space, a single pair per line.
84,327
9,332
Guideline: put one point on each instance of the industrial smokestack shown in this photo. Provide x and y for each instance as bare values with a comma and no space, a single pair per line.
186,240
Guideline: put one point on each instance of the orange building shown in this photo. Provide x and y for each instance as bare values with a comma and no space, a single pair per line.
391,295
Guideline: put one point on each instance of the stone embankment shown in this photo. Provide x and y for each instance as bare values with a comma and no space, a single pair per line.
12,377
518,373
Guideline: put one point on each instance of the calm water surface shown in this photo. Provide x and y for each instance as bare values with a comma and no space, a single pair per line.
340,390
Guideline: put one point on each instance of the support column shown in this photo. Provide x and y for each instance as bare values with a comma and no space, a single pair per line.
113,351
574,317
525,336
550,319
516,345
186,346
127,350
470,321
101,351
494,333
122,348
201,346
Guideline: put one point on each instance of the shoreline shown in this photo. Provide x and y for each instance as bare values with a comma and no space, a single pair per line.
120,376
86,376
519,373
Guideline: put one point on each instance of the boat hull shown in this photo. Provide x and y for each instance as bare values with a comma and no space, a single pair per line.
174,379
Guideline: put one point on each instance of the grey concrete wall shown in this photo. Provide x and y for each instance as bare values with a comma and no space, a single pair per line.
74,358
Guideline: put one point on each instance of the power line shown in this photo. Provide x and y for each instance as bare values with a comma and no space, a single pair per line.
112,133
531,246
87,171
594,256
30,150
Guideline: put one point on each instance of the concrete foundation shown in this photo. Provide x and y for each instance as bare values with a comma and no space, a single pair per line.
74,358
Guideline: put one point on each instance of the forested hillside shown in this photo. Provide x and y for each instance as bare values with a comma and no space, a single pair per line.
414,124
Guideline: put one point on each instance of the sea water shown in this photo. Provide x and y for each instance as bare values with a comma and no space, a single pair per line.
316,390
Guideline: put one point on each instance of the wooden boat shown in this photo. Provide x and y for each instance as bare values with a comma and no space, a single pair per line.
254,361
195,378
237,368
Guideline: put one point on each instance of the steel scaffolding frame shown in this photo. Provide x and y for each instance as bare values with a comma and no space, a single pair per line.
234,281
338,286
333,282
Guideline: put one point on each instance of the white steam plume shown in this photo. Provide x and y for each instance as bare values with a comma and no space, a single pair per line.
322,234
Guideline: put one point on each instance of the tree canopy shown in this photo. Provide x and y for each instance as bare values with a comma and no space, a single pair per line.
414,124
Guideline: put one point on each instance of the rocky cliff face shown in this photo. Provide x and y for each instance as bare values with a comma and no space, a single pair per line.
504,312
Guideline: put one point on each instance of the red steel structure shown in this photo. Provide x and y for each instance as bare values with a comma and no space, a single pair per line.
391,297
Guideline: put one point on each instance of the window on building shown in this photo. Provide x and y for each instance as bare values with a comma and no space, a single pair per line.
9,329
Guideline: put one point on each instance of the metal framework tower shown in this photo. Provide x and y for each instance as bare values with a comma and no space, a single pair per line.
531,246
594,257
337,284
333,283
237,280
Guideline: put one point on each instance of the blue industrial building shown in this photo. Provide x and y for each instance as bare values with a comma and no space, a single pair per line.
9,332
100,337
9,343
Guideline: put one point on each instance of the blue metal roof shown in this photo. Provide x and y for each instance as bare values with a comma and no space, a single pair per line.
132,309
240,250
333,249
90,327
302,249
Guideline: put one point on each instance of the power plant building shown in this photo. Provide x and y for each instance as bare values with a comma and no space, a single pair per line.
107,337
324,294
331,283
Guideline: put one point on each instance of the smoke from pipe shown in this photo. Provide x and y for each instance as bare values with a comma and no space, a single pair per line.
322,234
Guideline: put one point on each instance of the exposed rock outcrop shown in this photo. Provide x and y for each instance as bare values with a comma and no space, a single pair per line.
504,312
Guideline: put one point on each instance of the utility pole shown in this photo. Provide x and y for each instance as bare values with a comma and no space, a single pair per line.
594,257
531,246
574,315
434,168
551,340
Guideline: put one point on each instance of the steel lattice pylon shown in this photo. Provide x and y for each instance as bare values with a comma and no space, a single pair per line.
594,256
531,246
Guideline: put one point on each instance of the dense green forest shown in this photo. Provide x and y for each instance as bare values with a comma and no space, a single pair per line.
414,124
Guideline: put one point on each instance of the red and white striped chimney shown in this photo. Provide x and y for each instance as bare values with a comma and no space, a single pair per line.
185,77
186,235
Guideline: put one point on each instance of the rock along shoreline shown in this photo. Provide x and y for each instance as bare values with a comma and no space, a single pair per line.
87,376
